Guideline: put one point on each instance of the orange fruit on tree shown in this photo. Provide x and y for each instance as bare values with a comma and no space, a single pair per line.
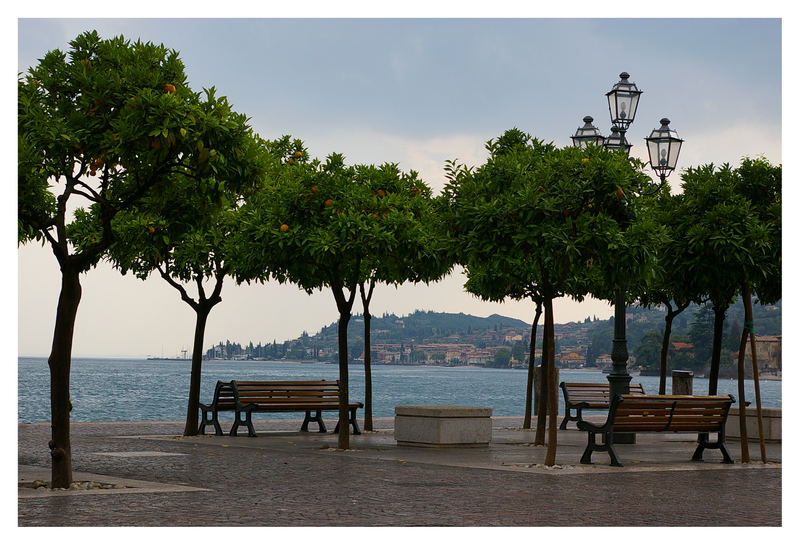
620,194
381,193
314,188
298,154
284,227
329,202
169,88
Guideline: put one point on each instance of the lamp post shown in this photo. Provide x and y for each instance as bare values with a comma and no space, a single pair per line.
663,147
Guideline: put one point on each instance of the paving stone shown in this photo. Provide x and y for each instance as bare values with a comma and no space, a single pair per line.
283,478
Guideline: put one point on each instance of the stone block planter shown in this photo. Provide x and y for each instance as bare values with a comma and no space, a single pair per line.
442,426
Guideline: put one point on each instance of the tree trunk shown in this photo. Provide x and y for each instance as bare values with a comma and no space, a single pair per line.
193,407
344,388
366,297
662,373
541,405
748,322
552,395
671,315
367,373
60,361
526,424
713,377
740,385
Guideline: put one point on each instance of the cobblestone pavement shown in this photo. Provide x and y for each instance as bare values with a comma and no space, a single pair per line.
287,480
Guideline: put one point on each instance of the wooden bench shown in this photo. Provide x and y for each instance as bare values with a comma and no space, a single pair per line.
587,395
247,397
656,413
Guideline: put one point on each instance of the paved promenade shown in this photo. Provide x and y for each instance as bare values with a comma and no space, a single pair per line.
285,478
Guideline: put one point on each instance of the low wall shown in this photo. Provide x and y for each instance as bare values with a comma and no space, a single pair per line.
771,422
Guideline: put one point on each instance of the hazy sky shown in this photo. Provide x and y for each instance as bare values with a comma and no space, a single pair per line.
416,92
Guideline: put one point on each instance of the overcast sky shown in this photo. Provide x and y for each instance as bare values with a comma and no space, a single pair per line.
416,92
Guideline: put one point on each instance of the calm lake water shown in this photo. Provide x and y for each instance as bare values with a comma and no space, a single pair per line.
149,390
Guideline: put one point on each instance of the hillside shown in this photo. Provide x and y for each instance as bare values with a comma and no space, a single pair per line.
426,337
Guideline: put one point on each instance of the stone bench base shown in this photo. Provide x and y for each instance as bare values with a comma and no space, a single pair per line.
442,426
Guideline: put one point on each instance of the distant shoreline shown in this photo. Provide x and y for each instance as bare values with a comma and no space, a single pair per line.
316,362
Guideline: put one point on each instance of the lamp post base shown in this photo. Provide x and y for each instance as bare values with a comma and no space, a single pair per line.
619,379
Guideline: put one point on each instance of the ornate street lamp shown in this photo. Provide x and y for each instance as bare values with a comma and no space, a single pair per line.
588,134
663,146
623,99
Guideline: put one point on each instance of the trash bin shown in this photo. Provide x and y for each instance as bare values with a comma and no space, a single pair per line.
682,382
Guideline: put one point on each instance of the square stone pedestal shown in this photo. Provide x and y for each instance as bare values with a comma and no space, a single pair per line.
442,426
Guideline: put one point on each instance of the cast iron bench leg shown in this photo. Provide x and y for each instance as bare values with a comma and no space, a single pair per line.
215,421
609,439
702,440
567,418
590,446
204,421
317,418
704,443
353,421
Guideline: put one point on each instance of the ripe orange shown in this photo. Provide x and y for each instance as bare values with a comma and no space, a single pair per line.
152,230
329,202
381,193
169,88
314,188
284,227
298,154
620,194
585,160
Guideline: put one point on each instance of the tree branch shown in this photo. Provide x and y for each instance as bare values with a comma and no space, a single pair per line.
185,296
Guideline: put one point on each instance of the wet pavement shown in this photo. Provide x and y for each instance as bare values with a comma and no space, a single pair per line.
287,478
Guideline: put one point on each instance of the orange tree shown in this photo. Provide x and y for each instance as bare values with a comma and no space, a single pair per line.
179,231
404,207
728,244
555,219
669,286
99,128
322,226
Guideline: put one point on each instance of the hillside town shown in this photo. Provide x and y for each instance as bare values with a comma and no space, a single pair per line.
426,338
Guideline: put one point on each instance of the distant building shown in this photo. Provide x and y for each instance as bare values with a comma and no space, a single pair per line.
682,346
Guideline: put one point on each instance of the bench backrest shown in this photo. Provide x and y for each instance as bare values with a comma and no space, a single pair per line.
239,393
670,413
596,394
288,392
